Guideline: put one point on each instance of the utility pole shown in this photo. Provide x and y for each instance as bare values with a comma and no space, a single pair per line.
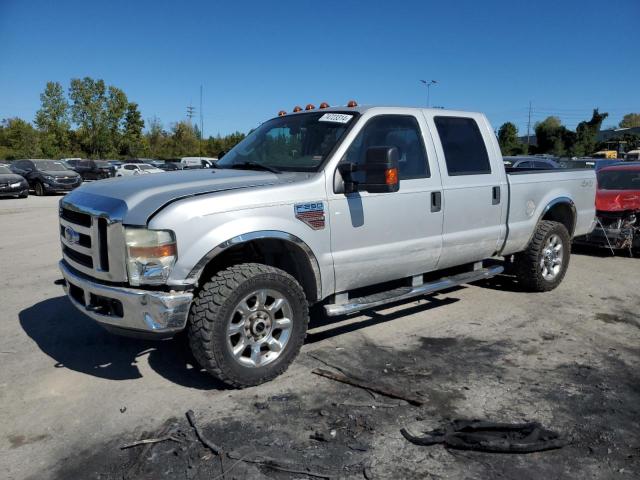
190,112
201,124
428,84
529,127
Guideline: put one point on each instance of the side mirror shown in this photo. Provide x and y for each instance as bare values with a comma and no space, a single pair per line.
381,170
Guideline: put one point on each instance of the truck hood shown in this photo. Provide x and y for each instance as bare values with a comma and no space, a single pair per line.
617,200
134,199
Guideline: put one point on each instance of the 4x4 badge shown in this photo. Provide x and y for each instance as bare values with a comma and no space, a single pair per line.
311,213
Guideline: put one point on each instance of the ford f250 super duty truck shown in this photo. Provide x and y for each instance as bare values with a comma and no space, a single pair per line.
350,207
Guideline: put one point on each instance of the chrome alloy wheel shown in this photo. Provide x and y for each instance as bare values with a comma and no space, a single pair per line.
551,258
259,328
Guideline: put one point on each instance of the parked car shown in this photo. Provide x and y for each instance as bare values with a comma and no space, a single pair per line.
95,169
12,184
171,166
114,163
525,162
198,162
136,169
401,201
47,176
617,208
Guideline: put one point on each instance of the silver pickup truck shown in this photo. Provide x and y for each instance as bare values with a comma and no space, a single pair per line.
351,207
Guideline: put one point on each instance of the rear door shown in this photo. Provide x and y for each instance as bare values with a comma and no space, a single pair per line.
377,237
474,188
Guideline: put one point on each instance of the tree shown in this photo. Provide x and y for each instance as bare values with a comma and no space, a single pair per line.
156,138
586,134
551,136
116,107
88,110
508,139
20,139
630,120
133,125
184,140
53,120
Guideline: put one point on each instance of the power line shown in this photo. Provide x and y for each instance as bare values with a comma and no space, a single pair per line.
190,112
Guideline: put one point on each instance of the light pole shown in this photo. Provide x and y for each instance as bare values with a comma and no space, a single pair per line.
428,84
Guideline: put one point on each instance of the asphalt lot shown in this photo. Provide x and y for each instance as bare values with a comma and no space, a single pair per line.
71,394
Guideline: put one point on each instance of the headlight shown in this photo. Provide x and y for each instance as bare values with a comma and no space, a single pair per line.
49,178
151,255
16,185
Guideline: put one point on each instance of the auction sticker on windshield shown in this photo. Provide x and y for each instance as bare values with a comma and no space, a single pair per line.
335,117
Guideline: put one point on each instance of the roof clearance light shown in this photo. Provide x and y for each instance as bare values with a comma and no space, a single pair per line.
282,113
310,106
352,103
297,109
324,105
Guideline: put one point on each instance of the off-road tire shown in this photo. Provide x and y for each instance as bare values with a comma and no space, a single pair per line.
212,309
39,189
527,263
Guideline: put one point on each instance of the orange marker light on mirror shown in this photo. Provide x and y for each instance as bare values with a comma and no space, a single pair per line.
324,105
391,176
297,109
282,113
310,106
352,103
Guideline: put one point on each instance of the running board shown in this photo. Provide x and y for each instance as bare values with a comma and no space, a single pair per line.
363,303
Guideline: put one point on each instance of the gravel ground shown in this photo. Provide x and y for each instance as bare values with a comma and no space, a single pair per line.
71,394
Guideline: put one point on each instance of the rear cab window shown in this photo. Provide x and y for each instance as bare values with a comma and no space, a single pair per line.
464,148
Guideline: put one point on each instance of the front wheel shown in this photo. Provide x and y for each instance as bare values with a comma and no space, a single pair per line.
39,189
248,323
543,265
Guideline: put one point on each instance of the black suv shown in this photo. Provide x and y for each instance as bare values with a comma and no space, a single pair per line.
94,169
47,176
12,184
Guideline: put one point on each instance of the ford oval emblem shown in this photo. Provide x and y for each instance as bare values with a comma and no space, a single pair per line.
71,235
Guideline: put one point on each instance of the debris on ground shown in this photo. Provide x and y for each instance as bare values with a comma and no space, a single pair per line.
381,389
486,436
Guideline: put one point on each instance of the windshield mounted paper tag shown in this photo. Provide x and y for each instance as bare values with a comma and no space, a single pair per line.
335,117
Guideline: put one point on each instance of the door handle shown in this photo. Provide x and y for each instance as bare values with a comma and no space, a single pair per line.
436,201
495,196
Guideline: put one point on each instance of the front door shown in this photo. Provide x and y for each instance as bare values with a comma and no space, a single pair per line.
376,237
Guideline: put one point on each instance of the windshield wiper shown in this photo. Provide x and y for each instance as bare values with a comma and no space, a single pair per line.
253,166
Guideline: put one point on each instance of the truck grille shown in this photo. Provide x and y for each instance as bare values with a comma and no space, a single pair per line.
87,240
66,180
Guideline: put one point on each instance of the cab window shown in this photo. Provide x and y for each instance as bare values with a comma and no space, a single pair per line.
464,150
400,131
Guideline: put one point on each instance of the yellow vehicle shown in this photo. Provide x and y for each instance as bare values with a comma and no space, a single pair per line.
610,154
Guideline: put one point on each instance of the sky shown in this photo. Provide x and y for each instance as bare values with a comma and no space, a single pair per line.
255,58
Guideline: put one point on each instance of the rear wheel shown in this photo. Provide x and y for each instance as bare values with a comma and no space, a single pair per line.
39,188
543,265
248,323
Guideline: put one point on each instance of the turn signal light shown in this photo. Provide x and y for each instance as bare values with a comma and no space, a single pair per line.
309,106
391,176
352,103
282,113
324,105
154,251
297,109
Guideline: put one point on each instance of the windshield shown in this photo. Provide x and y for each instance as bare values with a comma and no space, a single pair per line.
102,164
619,179
297,143
144,166
4,170
50,166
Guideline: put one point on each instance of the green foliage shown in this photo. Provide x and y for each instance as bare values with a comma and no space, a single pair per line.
552,136
508,139
132,140
630,120
586,133
19,139
52,120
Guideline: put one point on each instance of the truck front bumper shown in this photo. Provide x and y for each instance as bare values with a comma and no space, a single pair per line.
128,311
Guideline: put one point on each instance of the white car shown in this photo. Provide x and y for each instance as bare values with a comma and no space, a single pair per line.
127,169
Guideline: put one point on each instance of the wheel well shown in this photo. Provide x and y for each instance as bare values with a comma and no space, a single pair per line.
274,252
563,213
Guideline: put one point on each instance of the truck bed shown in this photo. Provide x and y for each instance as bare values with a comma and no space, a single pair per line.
532,191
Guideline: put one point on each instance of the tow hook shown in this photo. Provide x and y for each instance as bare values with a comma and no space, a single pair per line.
60,281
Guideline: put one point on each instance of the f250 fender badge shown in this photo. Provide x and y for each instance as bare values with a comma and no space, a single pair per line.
311,213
